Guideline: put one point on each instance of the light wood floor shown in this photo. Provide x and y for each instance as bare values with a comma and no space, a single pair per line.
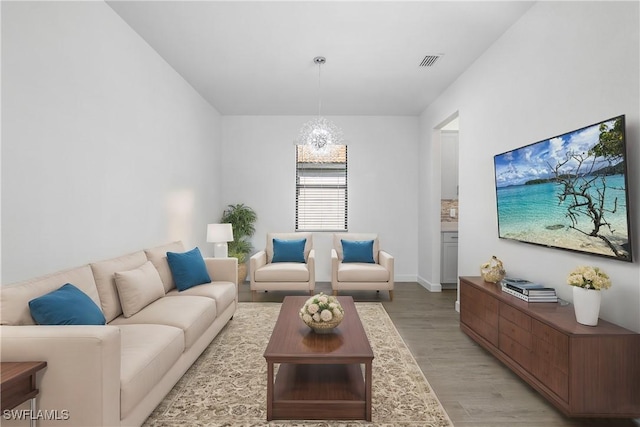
474,388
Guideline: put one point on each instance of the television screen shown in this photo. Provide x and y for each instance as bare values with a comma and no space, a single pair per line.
568,192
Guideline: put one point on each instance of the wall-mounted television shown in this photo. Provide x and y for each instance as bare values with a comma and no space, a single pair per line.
568,192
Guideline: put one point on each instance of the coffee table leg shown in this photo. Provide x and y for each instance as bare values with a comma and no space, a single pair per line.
34,410
269,391
367,388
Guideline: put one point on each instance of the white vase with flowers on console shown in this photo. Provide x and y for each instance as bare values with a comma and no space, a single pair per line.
587,283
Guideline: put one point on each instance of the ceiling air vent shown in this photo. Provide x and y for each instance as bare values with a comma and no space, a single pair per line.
430,60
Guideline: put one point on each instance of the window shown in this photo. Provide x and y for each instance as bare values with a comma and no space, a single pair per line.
321,189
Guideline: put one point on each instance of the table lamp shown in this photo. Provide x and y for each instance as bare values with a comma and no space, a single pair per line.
220,234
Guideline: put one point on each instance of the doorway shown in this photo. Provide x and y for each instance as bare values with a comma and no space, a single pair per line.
449,210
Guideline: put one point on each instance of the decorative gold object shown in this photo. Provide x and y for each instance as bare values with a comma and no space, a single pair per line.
492,271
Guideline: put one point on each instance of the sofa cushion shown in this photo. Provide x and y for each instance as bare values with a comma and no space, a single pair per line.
14,298
104,273
188,268
288,250
158,256
67,305
283,272
362,272
138,288
357,251
224,293
147,353
192,314
288,236
338,237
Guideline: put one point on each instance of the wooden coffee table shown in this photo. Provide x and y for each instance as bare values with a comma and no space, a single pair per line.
320,375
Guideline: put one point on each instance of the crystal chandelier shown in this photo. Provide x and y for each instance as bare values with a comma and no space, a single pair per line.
319,134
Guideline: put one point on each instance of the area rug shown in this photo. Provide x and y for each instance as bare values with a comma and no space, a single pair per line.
227,385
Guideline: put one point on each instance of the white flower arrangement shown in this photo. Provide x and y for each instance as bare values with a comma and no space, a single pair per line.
589,278
322,311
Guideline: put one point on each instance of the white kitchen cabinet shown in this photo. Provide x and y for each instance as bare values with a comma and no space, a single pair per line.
449,258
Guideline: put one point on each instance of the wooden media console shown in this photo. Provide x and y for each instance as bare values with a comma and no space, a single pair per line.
585,371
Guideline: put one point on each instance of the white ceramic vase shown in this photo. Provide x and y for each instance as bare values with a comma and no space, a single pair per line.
586,303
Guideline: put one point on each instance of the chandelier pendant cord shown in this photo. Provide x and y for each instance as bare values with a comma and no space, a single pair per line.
319,134
319,89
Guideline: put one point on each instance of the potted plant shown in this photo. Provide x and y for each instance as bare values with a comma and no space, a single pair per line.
242,219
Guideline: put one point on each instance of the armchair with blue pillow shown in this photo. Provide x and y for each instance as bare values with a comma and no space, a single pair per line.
358,263
286,264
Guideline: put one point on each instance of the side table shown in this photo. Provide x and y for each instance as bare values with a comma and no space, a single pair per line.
19,385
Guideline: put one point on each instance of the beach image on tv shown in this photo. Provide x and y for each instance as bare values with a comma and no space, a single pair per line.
568,191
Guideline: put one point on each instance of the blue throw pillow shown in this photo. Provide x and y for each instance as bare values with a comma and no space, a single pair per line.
67,305
188,269
288,250
357,251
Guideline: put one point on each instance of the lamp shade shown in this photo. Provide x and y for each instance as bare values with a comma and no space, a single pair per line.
217,233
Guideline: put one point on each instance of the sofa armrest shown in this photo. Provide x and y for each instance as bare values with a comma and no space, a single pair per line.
387,261
82,376
222,269
256,261
311,265
334,266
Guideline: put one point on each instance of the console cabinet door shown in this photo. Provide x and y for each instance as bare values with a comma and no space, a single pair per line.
515,335
479,311
550,362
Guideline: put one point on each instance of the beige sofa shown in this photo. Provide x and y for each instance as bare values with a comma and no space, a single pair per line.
116,374
374,276
266,275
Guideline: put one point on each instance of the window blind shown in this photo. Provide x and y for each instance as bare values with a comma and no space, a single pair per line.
321,189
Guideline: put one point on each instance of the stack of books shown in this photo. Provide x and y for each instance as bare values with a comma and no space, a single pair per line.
528,291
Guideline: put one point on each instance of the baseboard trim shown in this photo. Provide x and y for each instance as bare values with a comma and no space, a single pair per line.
431,287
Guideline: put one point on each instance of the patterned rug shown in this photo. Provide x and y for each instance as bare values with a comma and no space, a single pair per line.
227,385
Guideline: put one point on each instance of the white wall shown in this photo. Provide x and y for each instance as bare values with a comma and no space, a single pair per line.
562,66
449,165
105,148
259,170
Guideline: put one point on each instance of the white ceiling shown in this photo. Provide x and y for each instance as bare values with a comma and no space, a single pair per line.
256,57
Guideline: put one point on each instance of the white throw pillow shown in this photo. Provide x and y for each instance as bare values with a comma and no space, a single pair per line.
138,288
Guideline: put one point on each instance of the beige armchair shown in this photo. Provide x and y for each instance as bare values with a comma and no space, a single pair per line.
288,268
375,274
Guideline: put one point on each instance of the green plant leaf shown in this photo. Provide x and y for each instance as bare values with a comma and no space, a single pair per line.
242,219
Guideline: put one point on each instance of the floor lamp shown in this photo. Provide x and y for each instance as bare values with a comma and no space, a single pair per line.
219,235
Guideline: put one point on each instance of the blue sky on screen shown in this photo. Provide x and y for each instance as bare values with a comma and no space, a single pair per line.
536,161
